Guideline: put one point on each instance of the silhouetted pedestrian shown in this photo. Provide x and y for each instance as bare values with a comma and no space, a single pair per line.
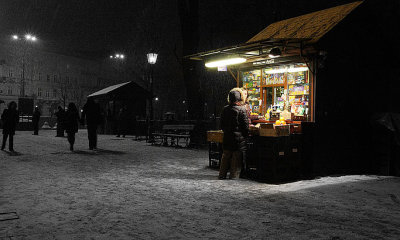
92,114
123,119
35,121
10,118
60,114
71,124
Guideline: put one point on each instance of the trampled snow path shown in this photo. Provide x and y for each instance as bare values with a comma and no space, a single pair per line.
130,190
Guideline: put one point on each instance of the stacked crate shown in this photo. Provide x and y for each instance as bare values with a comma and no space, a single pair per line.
277,158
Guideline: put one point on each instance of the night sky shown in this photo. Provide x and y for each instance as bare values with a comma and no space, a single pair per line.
98,27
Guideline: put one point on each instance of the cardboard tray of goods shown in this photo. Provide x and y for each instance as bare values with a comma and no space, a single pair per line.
272,130
255,131
215,136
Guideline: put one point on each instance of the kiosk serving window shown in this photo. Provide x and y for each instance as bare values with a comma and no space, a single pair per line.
285,88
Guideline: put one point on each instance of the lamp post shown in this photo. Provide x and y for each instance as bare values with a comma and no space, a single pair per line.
151,59
28,38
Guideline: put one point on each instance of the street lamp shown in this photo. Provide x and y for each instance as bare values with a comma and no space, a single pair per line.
151,59
117,56
26,39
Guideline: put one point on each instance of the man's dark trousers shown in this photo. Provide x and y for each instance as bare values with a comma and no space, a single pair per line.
92,135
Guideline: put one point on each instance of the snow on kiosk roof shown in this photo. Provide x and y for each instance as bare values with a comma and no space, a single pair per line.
126,90
107,90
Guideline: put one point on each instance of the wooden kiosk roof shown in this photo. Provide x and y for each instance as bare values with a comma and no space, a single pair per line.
289,33
310,26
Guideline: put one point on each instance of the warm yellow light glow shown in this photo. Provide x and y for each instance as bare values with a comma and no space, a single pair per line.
283,70
299,69
225,62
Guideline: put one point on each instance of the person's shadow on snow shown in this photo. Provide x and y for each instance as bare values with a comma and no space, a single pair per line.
13,154
99,152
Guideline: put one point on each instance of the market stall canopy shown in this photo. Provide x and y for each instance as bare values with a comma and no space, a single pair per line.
310,26
126,90
289,34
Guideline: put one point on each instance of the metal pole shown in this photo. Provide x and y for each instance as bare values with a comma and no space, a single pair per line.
152,93
23,79
151,120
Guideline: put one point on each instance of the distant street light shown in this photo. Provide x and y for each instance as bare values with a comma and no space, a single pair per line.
28,38
117,56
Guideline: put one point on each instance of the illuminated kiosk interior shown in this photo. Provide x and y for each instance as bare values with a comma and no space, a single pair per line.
285,88
273,87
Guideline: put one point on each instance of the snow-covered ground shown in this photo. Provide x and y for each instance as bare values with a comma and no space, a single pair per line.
130,190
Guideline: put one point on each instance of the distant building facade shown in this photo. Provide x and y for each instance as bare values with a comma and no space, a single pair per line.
51,79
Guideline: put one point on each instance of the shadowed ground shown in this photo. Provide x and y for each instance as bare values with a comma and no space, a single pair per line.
130,190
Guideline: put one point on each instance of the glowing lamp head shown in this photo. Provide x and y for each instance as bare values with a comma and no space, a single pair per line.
225,62
152,58
33,38
122,56
15,37
28,37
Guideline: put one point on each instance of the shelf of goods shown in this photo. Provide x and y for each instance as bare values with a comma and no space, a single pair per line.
251,81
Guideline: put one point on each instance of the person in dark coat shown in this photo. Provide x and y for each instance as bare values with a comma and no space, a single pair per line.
235,125
123,119
35,121
71,124
10,118
60,114
92,114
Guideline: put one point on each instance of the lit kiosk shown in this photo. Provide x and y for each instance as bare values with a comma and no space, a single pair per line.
278,68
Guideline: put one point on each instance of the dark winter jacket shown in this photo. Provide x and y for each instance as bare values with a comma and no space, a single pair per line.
36,117
10,119
71,121
60,114
235,124
92,113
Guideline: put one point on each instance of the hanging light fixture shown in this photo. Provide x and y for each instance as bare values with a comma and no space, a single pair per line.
275,52
225,62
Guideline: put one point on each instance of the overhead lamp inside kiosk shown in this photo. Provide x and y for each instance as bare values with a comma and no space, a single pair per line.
225,62
275,52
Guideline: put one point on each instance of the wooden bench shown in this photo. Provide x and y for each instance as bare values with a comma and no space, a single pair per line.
171,134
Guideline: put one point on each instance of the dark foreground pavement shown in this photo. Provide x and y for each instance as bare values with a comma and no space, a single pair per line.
129,190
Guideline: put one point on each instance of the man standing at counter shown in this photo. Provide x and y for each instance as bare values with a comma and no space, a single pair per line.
235,125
